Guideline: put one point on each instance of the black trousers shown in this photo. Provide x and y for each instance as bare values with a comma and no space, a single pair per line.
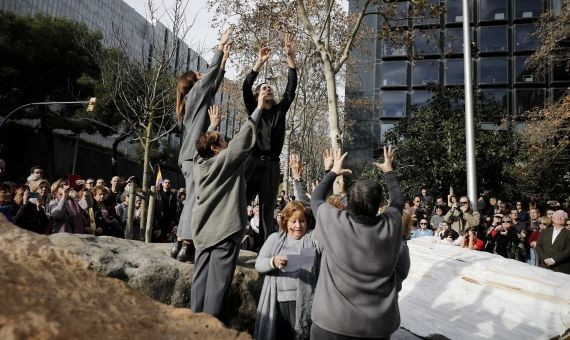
212,276
285,323
317,333
262,178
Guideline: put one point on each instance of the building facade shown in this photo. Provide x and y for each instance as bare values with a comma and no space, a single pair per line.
398,78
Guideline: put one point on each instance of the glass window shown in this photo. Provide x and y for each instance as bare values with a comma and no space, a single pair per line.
528,8
524,74
401,14
498,96
394,73
421,98
493,70
391,49
454,10
524,39
427,42
426,72
493,39
454,40
427,17
557,94
394,104
529,99
385,127
492,10
559,73
454,72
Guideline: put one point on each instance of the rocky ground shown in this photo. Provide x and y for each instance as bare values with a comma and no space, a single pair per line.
49,292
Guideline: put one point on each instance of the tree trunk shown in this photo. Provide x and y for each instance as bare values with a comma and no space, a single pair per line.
146,172
332,103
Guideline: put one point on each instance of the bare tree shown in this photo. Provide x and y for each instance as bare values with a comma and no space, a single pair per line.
141,81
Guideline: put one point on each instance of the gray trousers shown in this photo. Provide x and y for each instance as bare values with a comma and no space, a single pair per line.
262,178
212,276
184,231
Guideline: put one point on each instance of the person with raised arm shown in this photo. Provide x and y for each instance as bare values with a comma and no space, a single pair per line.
219,217
357,292
194,93
262,165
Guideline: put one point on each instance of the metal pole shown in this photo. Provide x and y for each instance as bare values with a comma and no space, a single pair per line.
131,211
469,125
75,152
150,215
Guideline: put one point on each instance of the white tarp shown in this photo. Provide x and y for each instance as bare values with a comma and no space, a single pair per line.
468,294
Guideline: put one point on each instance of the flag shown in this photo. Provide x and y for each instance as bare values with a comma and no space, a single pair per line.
158,177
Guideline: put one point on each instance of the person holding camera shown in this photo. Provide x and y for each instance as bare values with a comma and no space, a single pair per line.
31,213
505,237
461,216
66,208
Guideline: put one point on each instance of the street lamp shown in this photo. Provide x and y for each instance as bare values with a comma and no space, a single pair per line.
90,107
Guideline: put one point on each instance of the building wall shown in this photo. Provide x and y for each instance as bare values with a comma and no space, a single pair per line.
397,78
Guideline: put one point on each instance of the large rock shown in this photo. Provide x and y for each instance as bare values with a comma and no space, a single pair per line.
467,294
48,292
149,269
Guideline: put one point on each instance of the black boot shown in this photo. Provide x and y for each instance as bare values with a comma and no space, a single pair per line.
186,253
175,249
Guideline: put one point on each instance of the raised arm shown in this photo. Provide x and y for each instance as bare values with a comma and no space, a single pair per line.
248,97
289,94
222,70
319,195
296,173
208,79
394,191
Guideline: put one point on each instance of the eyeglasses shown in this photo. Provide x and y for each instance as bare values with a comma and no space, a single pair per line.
90,183
423,223
506,221
463,202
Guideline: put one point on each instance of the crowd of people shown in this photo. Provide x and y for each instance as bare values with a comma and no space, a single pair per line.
521,230
76,205
334,257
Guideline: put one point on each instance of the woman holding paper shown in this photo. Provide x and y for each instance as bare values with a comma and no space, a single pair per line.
284,310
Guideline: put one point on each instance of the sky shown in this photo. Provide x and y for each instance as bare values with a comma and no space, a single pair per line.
200,35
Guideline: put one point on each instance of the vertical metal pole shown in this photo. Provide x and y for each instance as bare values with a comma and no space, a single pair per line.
150,219
75,152
131,211
469,128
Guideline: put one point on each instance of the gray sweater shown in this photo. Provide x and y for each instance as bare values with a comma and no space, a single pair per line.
356,292
196,119
220,210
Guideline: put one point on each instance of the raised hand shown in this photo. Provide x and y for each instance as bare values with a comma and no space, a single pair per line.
225,37
264,54
337,165
388,159
227,48
261,100
296,167
328,159
289,45
215,116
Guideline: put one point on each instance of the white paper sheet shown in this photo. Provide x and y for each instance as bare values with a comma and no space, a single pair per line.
303,260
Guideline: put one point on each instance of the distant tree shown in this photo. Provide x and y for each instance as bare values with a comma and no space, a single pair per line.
543,165
431,146
42,60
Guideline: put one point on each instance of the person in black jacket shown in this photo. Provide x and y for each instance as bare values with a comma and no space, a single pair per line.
506,238
165,210
262,165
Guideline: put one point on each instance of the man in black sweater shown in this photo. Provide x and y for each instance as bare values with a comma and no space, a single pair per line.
262,165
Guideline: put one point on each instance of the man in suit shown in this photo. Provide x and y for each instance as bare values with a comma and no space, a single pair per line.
553,245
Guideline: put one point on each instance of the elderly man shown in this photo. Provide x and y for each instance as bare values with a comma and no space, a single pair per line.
553,245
